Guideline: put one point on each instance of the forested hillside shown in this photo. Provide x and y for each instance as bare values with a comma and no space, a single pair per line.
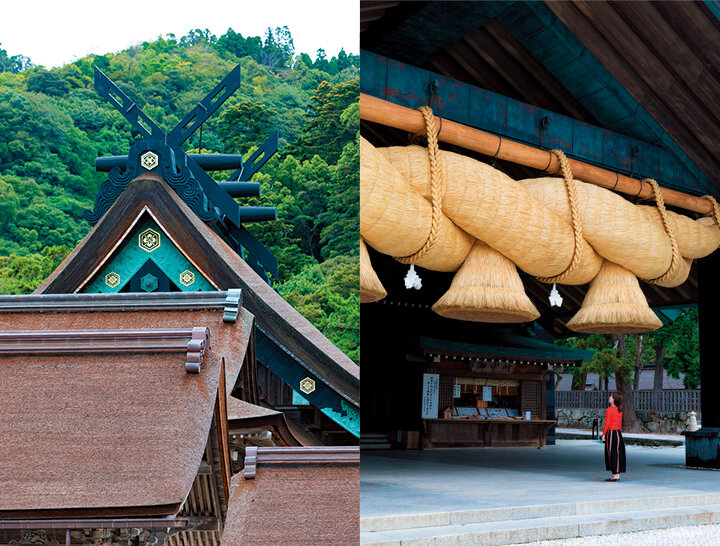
53,125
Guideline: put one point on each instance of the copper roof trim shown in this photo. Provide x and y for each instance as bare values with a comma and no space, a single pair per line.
230,301
284,455
60,342
233,302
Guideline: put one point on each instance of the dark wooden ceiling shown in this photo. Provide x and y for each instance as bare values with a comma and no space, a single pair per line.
490,57
667,56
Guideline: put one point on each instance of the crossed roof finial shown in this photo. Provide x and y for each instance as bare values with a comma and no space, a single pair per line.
212,201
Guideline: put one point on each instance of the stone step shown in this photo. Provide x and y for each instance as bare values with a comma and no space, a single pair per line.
517,513
374,441
516,531
366,446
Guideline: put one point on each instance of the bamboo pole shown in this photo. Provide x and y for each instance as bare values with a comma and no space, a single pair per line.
407,119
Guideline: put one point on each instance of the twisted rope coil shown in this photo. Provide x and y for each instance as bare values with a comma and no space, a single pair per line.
574,202
675,260
715,213
436,186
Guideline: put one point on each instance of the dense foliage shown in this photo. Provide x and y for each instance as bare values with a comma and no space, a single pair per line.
675,347
53,125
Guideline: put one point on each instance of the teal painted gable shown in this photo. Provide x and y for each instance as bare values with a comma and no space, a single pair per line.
149,242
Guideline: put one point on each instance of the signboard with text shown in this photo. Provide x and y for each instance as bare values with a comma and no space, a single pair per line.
430,395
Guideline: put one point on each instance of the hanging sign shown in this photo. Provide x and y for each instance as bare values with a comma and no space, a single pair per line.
456,391
430,395
487,394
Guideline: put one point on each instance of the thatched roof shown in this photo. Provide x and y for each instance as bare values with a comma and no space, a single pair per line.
118,433
295,503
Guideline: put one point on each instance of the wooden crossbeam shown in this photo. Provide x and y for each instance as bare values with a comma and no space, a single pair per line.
284,455
180,523
229,301
408,119
193,341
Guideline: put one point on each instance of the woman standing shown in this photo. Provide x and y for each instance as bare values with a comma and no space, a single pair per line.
612,436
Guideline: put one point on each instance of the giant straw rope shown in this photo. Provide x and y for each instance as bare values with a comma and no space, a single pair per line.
558,230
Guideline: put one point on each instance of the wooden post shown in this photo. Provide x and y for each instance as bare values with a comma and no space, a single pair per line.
407,119
708,303
702,447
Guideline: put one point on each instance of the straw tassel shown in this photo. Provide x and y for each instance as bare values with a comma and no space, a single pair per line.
371,289
614,304
486,288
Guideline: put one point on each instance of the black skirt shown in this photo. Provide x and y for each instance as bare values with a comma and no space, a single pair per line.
614,452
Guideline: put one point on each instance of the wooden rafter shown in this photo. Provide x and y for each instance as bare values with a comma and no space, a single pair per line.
633,63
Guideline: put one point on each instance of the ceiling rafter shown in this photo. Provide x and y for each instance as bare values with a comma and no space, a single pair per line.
603,32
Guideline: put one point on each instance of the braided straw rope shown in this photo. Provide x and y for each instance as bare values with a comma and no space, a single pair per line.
715,209
675,260
575,219
436,187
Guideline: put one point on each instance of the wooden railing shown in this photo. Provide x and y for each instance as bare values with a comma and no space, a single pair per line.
665,400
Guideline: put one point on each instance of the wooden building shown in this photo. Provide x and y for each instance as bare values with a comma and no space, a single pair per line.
624,87
491,395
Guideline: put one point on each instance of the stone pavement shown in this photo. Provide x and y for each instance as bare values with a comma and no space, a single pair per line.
417,496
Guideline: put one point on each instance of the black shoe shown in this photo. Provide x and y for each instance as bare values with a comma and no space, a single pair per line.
613,480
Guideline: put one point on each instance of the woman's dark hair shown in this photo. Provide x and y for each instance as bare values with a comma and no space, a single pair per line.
618,399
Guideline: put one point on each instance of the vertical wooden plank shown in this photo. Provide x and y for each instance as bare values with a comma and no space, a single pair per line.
454,98
647,160
560,133
222,430
407,85
522,122
487,110
374,74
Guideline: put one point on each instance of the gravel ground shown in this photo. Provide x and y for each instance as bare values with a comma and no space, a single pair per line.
694,535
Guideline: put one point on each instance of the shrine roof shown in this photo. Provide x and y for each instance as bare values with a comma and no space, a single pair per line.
239,409
506,344
284,334
295,503
117,432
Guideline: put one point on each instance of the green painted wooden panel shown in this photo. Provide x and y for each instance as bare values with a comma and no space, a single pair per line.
407,85
374,70
292,372
164,253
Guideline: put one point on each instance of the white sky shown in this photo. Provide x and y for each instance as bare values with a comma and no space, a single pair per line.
55,32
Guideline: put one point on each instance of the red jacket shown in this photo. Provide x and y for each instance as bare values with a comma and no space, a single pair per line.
613,419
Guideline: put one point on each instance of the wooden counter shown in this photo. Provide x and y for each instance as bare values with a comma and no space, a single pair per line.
485,432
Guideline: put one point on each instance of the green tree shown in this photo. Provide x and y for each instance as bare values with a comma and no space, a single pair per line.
329,127
234,43
340,233
678,344
50,83
14,64
278,48
23,274
328,295
244,124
